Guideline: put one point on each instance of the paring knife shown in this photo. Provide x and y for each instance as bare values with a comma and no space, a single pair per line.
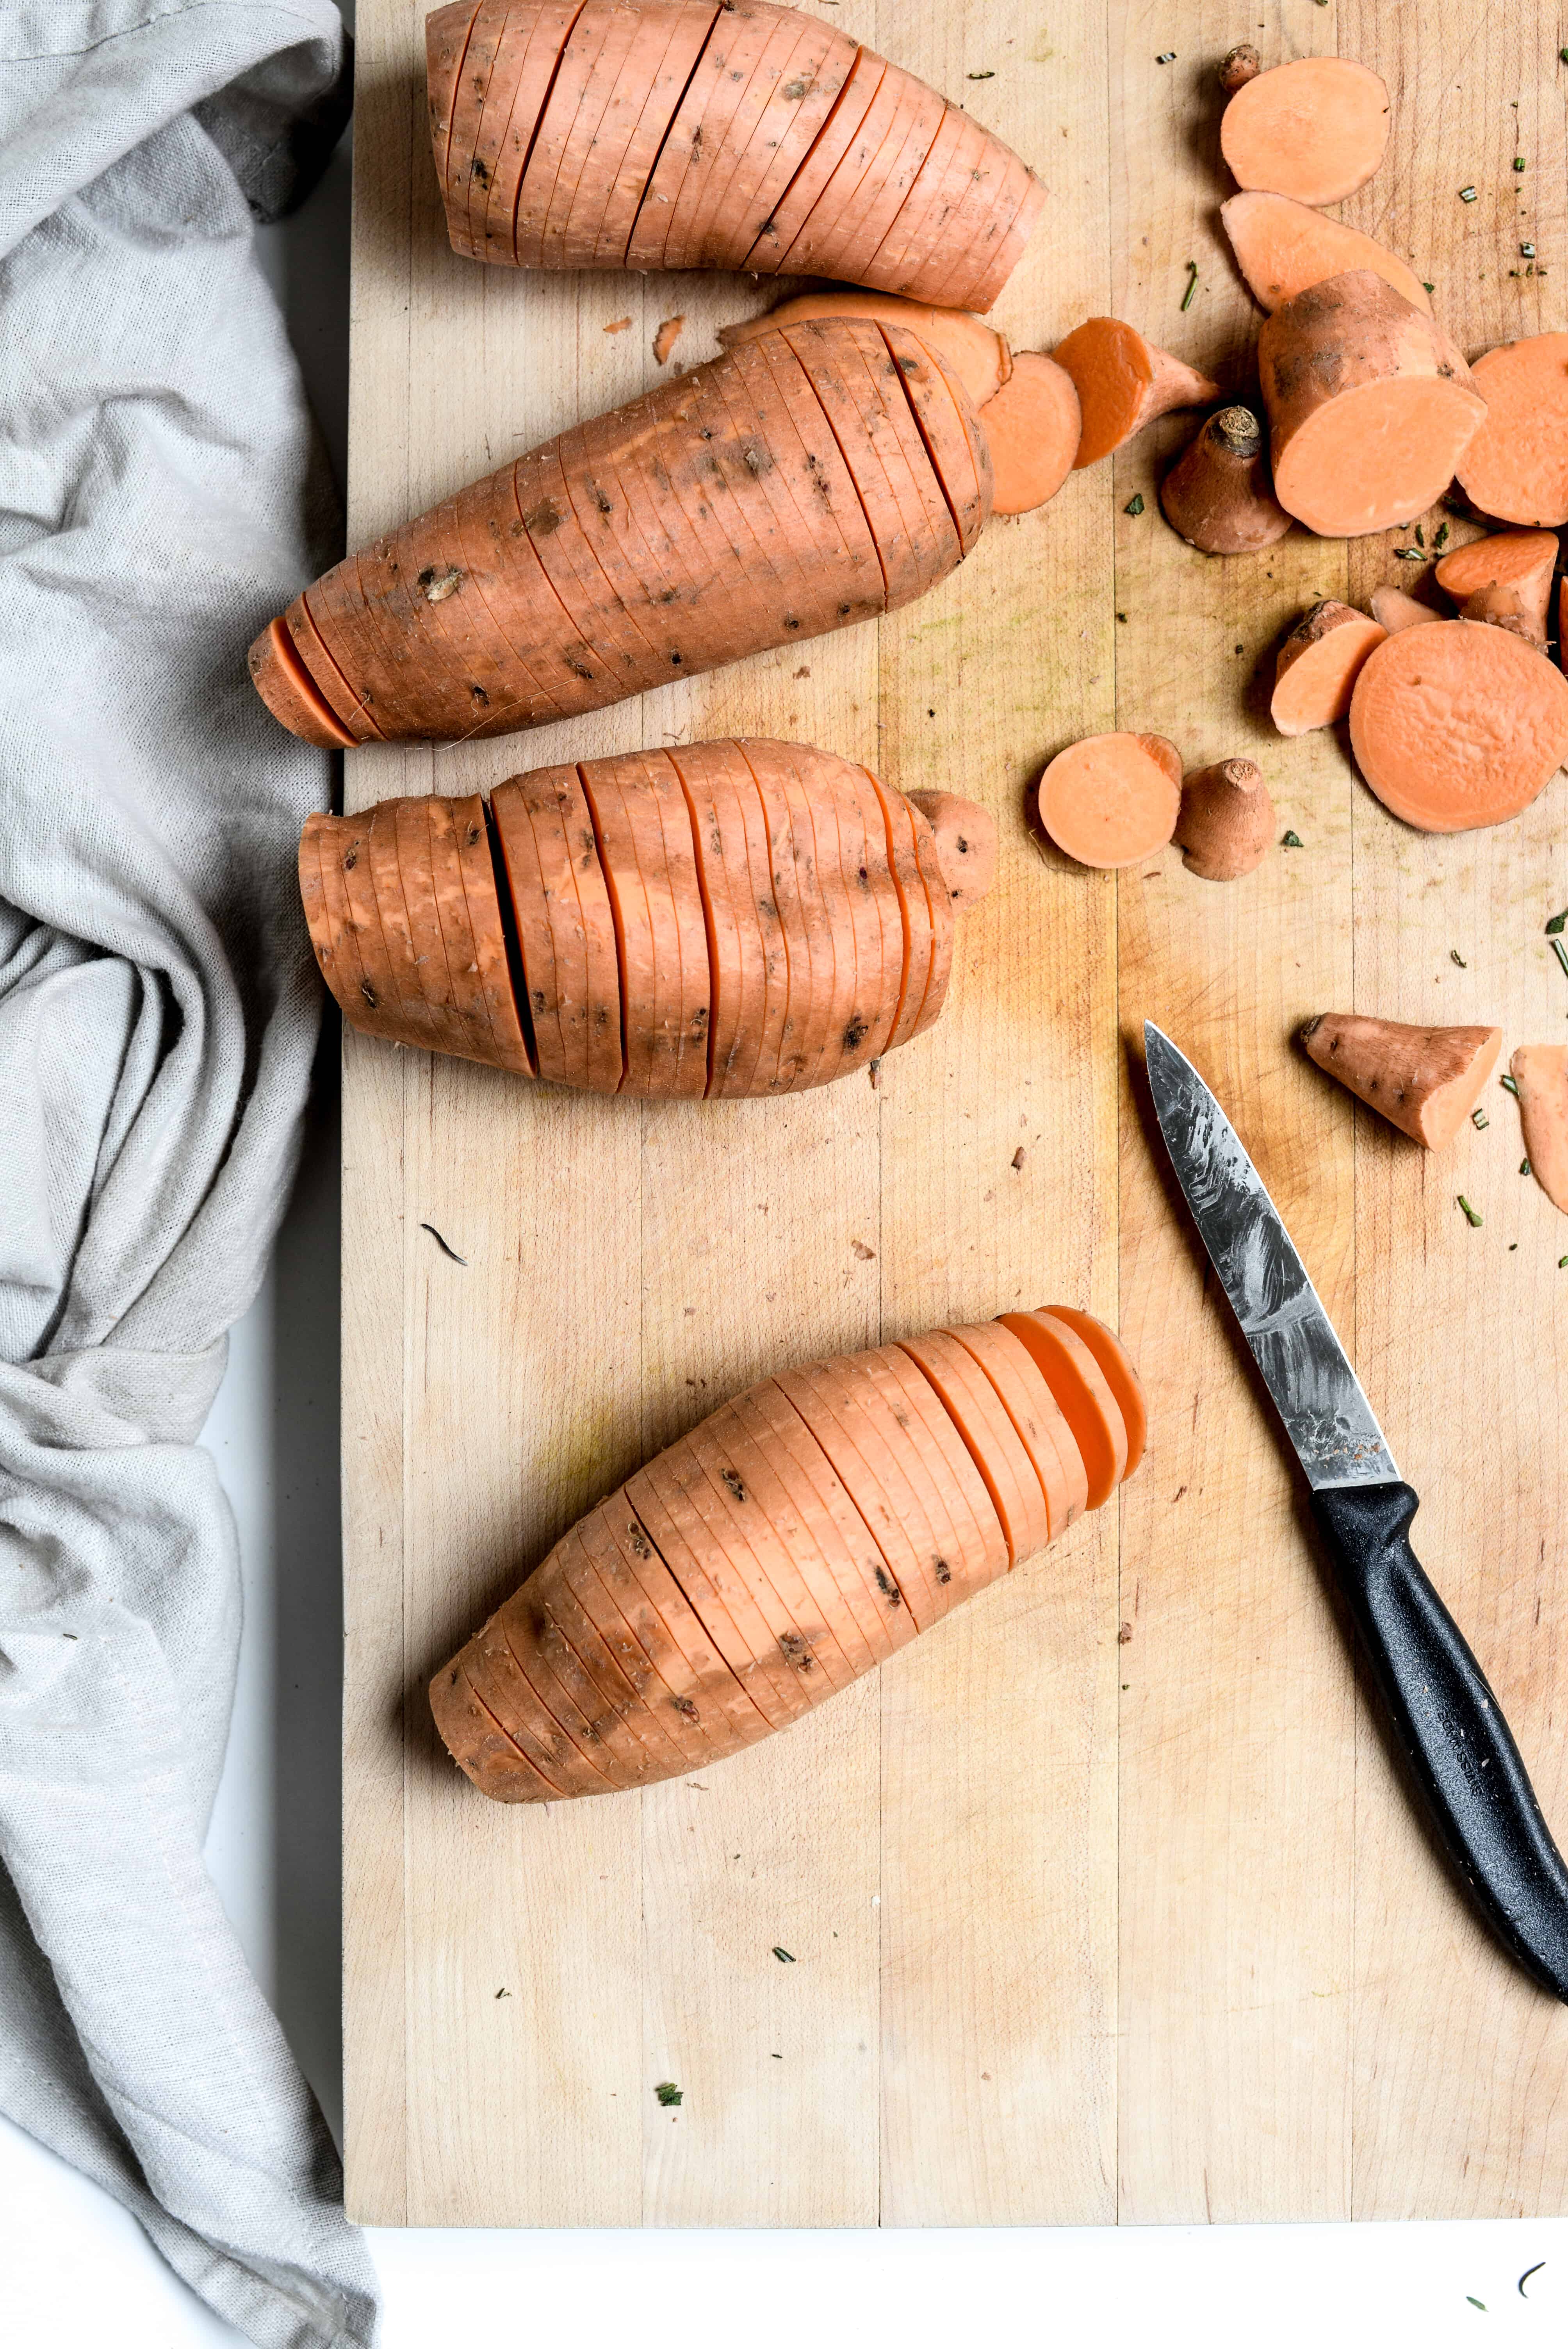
1458,1747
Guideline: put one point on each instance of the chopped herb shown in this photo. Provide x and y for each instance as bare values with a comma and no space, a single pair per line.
1524,2279
1519,162
1557,924
1479,1120
1166,57
1467,196
1561,951
1293,840
1191,285
1509,1086
1455,956
1470,1214
986,76
1430,289
1563,57
445,1246
1122,616
1563,1263
1409,554
1442,530
1524,1165
1134,505
783,1955
1420,540
1527,253
1475,2302
503,1993
668,2094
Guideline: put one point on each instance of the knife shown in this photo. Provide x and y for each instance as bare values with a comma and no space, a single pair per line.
1448,1727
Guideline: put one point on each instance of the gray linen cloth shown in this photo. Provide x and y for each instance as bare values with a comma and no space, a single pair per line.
160,496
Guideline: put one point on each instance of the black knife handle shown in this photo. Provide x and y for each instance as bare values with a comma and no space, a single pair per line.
1450,1729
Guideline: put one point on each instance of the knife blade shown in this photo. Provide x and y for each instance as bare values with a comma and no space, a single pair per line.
1458,1751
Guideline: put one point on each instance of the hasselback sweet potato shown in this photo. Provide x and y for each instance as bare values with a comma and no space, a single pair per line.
814,477
685,134
718,919
804,1532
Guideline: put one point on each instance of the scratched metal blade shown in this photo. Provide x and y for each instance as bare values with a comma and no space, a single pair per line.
1316,1393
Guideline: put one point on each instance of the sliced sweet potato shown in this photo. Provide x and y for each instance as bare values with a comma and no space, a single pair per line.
643,833
535,1626
1394,610
1314,128
939,909
460,1018
398,1016
858,204
965,837
872,909
1120,1376
325,673
1052,1442
1509,572
978,1552
840,132
1370,406
1123,382
323,842
1515,468
988,219
1110,801
725,1704
290,693
562,142
577,1565
519,84
658,65
480,1747
1282,247
849,1417
1317,666
1459,725
465,194
826,1532
995,1444
1084,1393
619,1685
550,938
914,911
492,963
1539,1072
537,1722
1033,428
954,445
798,102
1425,1081
1008,1369
447,34
975,353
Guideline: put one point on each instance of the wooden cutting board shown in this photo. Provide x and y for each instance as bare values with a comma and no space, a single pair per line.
1103,1902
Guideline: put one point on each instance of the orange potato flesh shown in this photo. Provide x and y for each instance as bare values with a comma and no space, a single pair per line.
1282,247
1123,383
1107,802
1394,610
1314,128
1516,467
848,1418
975,1545
325,673
965,836
1541,1073
1057,1454
1370,405
1032,1409
1032,426
939,909
1083,1393
281,677
1119,1375
829,1533
998,1450
1318,665
1511,571
1425,1081
628,1562
1457,726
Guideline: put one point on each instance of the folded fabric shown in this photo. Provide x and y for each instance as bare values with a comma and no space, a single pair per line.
161,496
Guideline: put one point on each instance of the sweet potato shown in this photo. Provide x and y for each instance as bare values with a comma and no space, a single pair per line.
654,544
1110,799
804,1531
975,353
1459,725
1505,576
1540,1073
1425,1081
679,134
1238,66
1393,610
1032,426
1217,495
1318,665
1515,469
1123,383
1226,823
1282,247
1120,1375
726,918
1314,128
1370,406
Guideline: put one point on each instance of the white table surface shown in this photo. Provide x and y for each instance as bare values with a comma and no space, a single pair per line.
75,2271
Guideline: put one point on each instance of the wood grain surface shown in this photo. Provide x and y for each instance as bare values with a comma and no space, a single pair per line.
1103,1900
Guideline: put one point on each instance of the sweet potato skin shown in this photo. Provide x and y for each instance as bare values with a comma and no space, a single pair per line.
1425,1081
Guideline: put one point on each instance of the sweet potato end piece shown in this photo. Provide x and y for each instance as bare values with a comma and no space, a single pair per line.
1539,1072
965,836
1227,821
284,684
1425,1081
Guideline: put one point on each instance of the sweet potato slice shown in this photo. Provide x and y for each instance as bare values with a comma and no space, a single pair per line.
1511,573
533,1709
325,842
1516,466
799,968
995,1444
764,441
957,450
897,178
798,99
1425,1081
1314,128
643,833
325,673
1109,800
1084,1393
1459,725
1539,1072
480,1747
1318,665
850,1421
584,73
832,1520
535,1624
582,925
1282,247
492,963
637,1634
914,910
290,693
819,480
1033,425
731,843
465,194
610,1650
1120,1376
939,906
978,1553
720,222
840,135
447,34
983,234
859,421
1370,406
1035,1414
523,78
459,1016
977,354
865,888
892,142
538,876
652,82
395,1002
965,837
1394,610
724,1703
1123,382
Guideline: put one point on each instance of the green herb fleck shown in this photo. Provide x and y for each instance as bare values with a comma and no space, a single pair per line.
1409,554
1470,1214
1524,1165
1442,530
1562,1264
1563,57
783,1955
1293,840
1455,956
1134,505
1509,1086
668,2094
1467,196
1475,2302
1430,289
1561,951
1420,540
1557,924
1479,1120
1191,284
1122,617
1519,162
